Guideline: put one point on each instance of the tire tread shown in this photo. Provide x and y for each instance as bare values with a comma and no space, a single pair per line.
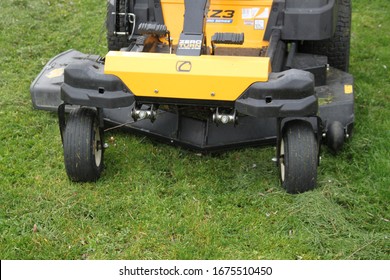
336,48
79,161
115,42
301,157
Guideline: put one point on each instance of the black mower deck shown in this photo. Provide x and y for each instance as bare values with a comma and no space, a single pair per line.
335,100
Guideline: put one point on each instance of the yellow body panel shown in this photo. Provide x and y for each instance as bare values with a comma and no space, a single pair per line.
187,77
248,16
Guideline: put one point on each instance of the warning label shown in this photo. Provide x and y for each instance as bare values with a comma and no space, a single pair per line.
255,13
259,24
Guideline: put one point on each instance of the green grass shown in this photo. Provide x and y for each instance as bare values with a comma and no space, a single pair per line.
160,202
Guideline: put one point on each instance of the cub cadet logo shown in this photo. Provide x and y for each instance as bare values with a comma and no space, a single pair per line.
190,44
183,66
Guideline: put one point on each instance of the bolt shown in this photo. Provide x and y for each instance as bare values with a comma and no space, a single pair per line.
213,94
142,115
225,119
156,91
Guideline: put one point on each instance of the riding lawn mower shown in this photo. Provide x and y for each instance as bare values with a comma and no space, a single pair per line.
209,75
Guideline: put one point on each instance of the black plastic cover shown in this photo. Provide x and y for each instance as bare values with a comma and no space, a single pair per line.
46,88
303,20
286,94
315,64
86,84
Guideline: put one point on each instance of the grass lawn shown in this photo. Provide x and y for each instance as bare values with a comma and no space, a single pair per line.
160,202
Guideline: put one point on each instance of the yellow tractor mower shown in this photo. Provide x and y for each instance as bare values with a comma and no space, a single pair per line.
209,75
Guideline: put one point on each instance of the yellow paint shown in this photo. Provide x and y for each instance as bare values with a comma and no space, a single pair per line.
55,73
187,77
243,16
348,89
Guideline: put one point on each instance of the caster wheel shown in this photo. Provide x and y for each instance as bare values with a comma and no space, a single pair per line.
298,161
335,136
83,146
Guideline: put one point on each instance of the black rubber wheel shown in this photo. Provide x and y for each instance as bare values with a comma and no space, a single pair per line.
335,136
83,146
337,47
298,159
116,42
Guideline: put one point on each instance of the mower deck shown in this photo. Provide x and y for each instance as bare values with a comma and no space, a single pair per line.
335,104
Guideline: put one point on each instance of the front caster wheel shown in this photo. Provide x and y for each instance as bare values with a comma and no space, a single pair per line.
83,146
335,136
298,157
